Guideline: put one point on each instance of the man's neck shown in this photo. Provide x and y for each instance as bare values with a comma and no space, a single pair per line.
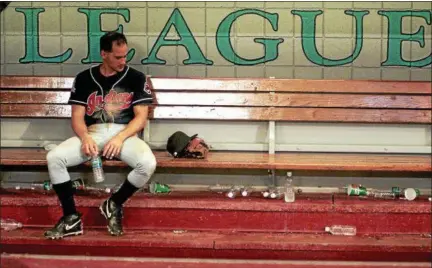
106,70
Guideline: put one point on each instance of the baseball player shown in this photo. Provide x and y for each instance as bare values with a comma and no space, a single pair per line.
109,107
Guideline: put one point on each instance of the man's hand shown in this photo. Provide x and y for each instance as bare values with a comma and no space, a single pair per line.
89,146
113,147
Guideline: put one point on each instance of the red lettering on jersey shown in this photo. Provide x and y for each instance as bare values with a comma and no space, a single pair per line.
93,102
110,97
113,101
125,99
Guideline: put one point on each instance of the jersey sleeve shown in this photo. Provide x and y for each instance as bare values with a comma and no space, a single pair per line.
142,93
78,92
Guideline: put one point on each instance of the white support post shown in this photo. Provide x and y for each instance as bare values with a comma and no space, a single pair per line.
272,142
272,131
146,132
272,138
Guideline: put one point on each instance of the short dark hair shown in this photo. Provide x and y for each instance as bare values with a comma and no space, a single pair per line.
107,40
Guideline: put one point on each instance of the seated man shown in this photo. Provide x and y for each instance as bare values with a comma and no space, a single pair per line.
109,107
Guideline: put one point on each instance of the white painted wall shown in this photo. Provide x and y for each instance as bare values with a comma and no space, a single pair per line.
244,136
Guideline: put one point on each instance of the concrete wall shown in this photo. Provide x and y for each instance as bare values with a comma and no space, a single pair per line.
60,38
69,26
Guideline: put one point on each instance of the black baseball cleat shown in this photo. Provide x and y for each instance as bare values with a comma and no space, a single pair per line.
66,226
114,215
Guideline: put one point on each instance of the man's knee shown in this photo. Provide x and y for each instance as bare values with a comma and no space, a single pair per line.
144,169
146,164
53,158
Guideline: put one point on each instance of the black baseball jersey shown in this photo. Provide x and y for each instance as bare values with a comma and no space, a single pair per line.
110,99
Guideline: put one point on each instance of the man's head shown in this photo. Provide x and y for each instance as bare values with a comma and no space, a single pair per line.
113,49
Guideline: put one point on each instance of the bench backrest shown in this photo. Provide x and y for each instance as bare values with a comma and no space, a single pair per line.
241,99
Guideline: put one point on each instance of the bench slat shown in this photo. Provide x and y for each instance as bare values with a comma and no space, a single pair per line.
34,97
242,113
295,114
245,99
257,160
230,84
293,85
9,81
35,110
37,157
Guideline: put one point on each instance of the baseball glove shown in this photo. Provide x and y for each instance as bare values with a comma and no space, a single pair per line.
197,148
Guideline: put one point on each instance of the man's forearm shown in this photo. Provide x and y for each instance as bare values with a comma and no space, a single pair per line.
78,124
134,126
80,128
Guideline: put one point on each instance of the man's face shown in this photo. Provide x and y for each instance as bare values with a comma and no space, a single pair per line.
116,59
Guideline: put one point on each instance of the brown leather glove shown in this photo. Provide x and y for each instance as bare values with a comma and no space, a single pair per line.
197,148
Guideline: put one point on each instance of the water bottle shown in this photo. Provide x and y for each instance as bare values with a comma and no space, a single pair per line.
232,193
97,191
41,187
269,193
98,173
105,190
383,194
411,193
78,184
9,224
276,195
245,191
406,193
341,230
219,188
289,191
265,194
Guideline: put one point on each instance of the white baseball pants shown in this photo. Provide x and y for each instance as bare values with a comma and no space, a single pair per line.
135,152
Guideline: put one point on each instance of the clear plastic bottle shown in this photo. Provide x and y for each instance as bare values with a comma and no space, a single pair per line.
10,224
245,191
45,185
78,184
383,194
232,193
219,188
98,173
265,194
98,190
289,191
41,187
271,192
276,194
411,193
341,230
